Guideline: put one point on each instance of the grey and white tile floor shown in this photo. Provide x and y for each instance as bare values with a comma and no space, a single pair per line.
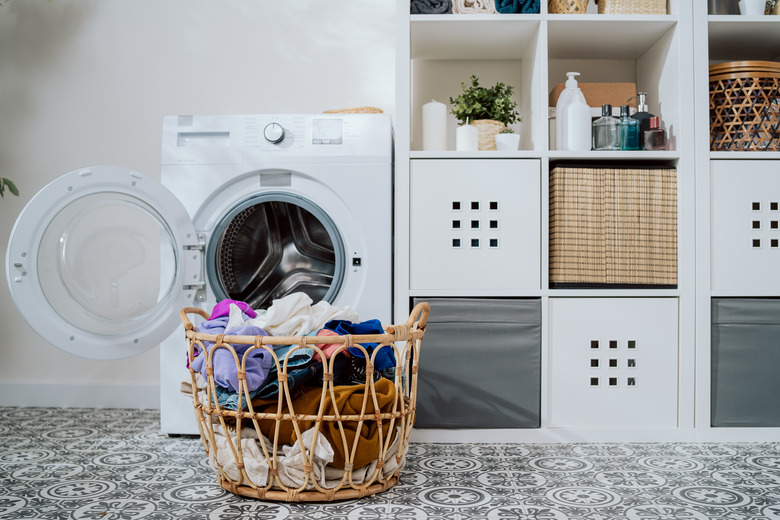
114,464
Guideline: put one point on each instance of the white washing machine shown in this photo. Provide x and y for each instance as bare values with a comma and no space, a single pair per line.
251,207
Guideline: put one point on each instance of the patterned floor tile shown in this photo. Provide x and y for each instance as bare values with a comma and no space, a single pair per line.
115,464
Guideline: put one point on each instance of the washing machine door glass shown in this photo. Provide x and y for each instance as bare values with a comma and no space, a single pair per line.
96,262
274,244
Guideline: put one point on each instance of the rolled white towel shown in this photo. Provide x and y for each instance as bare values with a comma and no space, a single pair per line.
474,7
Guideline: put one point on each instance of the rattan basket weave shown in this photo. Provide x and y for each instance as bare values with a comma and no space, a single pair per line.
238,459
745,106
354,110
613,227
567,6
486,133
632,6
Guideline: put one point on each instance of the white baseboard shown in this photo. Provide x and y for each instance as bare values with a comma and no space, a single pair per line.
554,435
80,395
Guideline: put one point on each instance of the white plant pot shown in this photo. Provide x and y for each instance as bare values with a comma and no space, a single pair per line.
752,7
466,138
507,142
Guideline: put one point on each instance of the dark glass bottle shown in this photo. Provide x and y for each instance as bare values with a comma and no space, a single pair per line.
655,136
642,115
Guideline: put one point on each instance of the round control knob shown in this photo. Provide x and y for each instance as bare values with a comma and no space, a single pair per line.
273,133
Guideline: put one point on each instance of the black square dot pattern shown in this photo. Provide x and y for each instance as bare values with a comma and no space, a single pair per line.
614,362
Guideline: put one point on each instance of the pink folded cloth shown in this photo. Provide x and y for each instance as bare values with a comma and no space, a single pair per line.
329,348
223,309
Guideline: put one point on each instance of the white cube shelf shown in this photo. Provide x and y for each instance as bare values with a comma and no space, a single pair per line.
745,248
475,225
613,362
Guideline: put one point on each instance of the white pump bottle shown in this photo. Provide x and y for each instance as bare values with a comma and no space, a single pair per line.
578,129
562,113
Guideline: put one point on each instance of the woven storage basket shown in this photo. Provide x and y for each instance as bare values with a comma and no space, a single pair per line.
486,133
354,110
632,6
567,6
613,227
379,429
745,106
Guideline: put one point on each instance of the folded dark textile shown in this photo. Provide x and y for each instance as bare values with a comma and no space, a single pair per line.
431,6
517,6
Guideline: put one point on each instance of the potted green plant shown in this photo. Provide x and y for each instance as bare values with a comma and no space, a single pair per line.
490,109
507,140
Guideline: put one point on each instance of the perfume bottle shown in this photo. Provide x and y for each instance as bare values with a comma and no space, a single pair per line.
629,130
655,136
606,135
642,115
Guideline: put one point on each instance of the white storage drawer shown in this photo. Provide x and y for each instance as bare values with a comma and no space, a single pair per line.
745,226
475,224
613,362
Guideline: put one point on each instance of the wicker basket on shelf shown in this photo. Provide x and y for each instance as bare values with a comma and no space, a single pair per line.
632,6
322,440
745,106
567,6
487,129
613,227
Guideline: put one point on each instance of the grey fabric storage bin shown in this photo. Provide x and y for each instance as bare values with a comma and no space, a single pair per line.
745,386
480,366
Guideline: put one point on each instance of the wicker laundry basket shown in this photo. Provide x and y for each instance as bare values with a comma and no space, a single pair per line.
745,106
613,227
632,6
567,6
244,443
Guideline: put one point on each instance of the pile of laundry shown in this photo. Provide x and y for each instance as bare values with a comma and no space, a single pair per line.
331,450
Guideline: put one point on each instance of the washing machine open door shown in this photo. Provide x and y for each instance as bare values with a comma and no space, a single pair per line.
101,261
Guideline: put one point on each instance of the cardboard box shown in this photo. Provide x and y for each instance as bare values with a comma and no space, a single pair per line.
597,94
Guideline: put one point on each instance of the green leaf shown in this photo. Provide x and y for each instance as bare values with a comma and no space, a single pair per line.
6,183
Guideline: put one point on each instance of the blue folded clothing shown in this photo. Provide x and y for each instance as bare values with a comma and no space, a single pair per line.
384,356
517,6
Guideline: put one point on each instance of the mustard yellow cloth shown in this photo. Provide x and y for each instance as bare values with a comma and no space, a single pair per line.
348,401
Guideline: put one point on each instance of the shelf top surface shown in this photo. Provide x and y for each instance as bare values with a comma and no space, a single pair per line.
512,36
744,37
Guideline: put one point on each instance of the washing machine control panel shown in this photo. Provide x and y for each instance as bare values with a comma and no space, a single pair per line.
241,139
273,133
327,131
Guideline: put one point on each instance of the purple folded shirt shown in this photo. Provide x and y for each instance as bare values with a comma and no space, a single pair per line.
258,362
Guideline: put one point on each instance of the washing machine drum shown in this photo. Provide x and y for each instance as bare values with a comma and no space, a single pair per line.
272,245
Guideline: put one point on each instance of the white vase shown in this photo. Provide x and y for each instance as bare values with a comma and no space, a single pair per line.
752,7
507,142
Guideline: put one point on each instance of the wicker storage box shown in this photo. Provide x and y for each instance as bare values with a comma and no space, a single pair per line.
348,440
632,6
613,227
567,6
745,106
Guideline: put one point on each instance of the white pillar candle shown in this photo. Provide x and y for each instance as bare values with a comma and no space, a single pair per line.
434,121
466,138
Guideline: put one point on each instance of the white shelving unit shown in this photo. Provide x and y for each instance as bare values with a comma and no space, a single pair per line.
721,39
668,57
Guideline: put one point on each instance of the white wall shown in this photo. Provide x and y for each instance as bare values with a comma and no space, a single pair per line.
87,82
